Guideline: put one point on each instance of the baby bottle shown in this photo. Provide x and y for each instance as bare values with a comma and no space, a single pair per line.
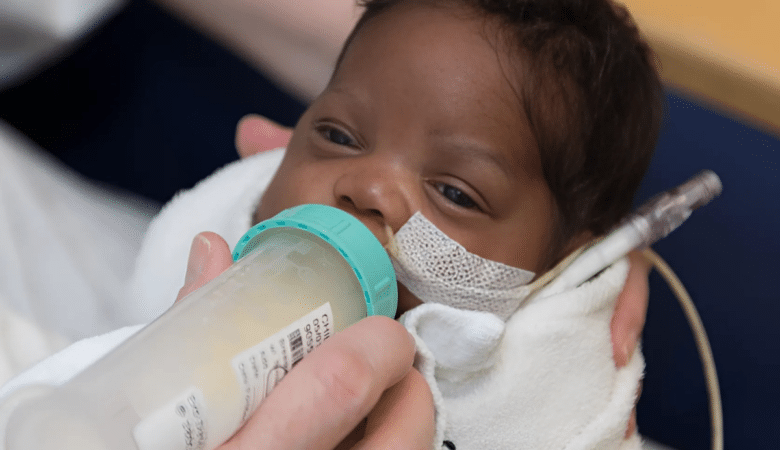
190,379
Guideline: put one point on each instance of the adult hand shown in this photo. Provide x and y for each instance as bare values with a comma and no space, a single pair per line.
363,371
255,134
629,318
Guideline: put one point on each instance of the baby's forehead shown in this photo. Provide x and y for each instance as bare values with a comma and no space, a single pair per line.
464,36
489,27
436,65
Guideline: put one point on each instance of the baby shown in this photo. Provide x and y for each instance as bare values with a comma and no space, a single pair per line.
520,130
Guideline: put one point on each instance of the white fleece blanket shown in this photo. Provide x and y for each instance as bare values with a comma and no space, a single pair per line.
544,379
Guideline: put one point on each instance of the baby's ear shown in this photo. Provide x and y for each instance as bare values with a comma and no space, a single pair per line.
255,134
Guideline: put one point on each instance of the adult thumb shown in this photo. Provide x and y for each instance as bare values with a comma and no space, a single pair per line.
209,257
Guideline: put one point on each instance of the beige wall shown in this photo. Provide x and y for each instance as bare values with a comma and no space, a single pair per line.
726,52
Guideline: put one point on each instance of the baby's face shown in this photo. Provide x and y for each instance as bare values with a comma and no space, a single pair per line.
421,116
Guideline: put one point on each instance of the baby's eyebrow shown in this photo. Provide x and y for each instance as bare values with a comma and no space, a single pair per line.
347,93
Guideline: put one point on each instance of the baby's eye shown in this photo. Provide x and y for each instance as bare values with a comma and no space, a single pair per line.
456,196
336,136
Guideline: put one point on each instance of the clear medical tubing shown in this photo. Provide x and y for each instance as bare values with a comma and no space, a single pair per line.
191,378
653,221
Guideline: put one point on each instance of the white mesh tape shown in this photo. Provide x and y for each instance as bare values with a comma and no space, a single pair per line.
437,269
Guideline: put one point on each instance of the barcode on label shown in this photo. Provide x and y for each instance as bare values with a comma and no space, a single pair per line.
260,367
296,346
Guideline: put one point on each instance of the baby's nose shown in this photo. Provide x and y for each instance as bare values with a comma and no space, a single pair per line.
377,198
368,211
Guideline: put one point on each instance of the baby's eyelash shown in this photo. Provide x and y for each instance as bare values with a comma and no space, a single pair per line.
456,196
335,135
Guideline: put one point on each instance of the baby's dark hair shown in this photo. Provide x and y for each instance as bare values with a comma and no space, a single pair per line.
590,89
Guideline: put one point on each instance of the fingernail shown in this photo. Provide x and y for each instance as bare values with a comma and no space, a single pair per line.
198,254
629,347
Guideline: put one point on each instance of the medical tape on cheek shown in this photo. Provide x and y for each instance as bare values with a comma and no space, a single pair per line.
437,269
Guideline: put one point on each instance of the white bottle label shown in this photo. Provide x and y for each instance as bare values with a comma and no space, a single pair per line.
181,424
260,368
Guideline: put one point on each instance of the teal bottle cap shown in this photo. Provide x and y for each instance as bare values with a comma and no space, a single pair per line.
356,243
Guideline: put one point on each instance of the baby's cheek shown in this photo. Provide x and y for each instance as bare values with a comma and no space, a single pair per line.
269,206
280,195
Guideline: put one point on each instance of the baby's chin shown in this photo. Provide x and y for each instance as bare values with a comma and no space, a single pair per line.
406,300
263,211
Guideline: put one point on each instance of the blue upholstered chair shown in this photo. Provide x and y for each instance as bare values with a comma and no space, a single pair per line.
728,256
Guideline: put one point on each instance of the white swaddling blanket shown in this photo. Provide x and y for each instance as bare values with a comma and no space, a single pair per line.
545,379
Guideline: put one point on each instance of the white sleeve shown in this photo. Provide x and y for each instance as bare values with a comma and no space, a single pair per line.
44,29
65,364
67,245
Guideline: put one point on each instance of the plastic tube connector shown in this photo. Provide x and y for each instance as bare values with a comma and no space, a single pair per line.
653,221
663,213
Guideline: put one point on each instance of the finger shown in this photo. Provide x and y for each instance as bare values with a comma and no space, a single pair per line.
331,390
209,257
255,134
403,418
631,428
630,310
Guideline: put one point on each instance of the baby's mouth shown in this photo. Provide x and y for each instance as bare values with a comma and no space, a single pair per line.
391,246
